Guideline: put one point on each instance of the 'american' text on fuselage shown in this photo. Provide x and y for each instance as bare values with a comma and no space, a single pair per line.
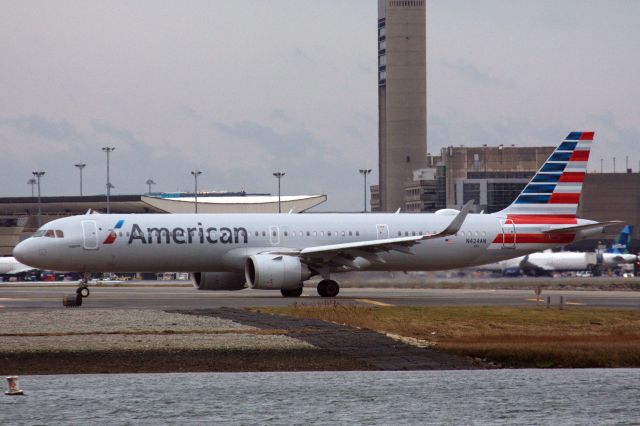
200,235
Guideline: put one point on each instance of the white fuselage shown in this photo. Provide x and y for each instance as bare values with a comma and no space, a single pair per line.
223,242
562,261
10,266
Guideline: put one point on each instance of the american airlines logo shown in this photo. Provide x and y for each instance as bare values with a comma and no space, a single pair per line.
113,233
195,235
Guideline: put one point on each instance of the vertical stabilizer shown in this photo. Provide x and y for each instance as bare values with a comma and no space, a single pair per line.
623,241
555,189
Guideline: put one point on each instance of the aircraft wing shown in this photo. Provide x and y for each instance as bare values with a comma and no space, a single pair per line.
344,254
582,227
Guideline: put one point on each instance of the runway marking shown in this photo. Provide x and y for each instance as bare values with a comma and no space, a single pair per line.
565,303
372,302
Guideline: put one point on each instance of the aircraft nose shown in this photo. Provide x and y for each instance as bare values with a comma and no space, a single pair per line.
24,252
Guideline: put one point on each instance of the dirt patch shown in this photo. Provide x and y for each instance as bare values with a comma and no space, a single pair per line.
374,348
159,361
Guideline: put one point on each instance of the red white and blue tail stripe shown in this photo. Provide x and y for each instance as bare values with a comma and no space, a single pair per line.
549,201
553,194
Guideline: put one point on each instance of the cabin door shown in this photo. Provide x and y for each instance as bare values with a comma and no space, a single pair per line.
508,234
274,235
382,231
89,235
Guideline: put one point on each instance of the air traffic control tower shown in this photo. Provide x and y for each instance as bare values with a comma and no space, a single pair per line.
402,96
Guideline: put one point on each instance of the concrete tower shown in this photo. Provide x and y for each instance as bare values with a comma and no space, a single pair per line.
402,96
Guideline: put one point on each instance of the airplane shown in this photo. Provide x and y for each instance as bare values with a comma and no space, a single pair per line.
9,266
282,251
548,262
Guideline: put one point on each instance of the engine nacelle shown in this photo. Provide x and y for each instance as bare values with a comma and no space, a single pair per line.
275,272
218,280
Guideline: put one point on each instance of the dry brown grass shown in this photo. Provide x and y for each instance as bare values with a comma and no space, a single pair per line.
510,337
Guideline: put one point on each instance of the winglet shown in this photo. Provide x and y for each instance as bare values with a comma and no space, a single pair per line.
455,224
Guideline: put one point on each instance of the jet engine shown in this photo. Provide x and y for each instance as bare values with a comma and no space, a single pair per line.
218,280
275,272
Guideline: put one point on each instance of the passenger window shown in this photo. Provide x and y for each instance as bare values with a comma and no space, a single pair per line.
350,233
273,233
406,233
399,233
308,233
328,233
357,233
484,234
322,233
413,233
285,233
120,233
59,234
343,233
49,233
315,233
264,234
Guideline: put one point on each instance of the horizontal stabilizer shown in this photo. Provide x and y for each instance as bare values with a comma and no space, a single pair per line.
582,227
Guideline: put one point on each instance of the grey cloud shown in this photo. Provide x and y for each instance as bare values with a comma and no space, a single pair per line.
37,126
293,143
105,128
475,75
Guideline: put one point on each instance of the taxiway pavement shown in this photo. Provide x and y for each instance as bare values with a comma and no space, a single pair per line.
46,296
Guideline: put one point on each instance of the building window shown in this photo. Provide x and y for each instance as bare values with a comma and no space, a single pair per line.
471,191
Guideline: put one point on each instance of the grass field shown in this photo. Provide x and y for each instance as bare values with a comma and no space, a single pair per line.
504,337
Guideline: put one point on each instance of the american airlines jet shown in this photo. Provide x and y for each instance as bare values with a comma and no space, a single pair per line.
282,251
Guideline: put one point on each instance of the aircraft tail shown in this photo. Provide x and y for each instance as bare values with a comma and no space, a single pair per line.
623,241
553,194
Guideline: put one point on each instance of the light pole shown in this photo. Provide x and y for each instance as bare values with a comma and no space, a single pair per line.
32,182
279,176
365,172
38,175
80,166
195,174
108,150
150,182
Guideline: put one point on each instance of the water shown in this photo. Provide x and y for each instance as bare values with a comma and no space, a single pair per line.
452,397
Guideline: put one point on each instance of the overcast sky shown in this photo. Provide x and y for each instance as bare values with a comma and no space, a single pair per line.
240,89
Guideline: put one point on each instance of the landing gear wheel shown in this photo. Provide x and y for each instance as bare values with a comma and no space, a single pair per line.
328,288
83,291
291,292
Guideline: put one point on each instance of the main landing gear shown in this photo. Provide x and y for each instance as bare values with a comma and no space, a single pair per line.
75,300
328,288
291,292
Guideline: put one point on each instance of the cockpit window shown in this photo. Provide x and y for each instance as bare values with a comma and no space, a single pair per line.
59,233
39,233
50,233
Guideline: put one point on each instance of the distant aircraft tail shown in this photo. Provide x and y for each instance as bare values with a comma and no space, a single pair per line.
623,241
553,194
